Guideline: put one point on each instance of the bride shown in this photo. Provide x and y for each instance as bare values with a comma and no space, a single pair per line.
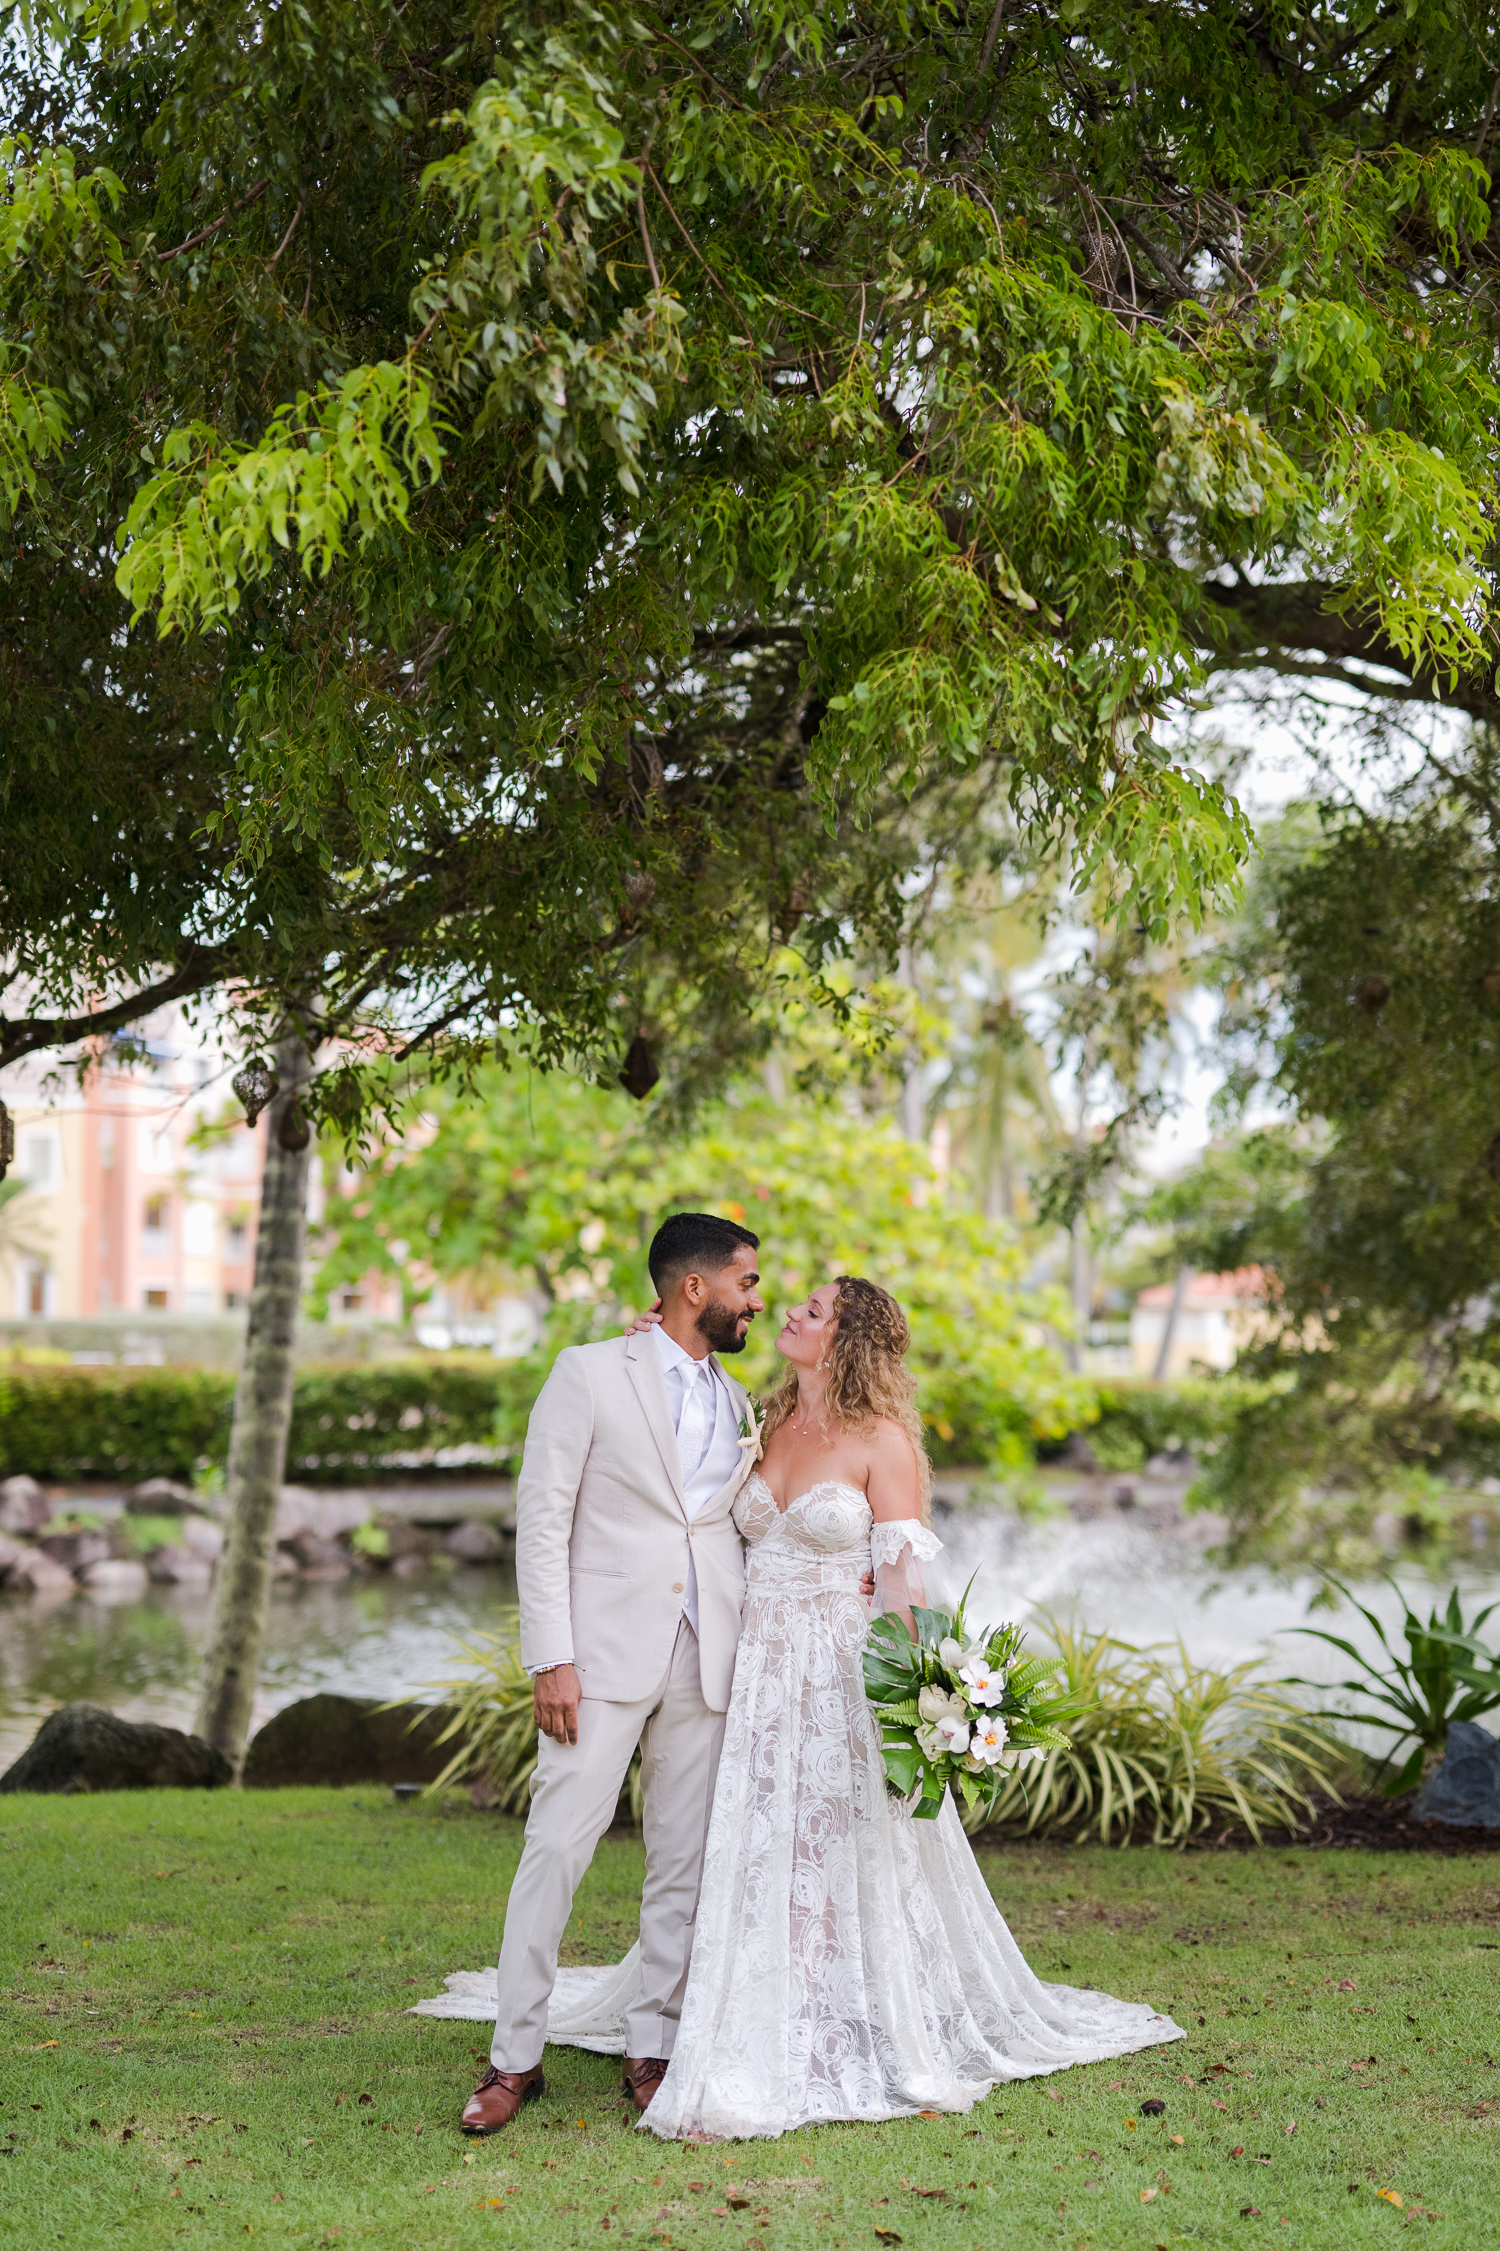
848,1961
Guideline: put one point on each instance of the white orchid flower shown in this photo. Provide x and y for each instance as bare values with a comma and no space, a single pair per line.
989,1741
984,1681
951,1653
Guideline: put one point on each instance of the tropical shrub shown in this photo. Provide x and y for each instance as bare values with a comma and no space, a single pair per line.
1163,1751
1446,1675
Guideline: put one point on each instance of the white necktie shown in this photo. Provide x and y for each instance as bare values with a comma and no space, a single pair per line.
694,1417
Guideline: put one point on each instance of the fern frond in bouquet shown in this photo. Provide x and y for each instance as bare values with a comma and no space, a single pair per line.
959,1709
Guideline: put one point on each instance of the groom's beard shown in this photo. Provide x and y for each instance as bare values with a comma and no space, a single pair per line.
721,1327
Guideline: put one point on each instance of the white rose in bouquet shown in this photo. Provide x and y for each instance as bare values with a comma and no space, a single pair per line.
945,1718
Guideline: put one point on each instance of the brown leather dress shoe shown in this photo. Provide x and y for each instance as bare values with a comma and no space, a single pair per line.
499,2095
643,2075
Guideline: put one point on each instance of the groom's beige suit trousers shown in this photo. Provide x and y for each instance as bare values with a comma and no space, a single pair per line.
573,1800
604,1553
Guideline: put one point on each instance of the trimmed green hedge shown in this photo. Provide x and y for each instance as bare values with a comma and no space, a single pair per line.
356,1421
348,1423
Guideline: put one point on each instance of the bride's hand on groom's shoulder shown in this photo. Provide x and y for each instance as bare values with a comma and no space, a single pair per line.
650,1319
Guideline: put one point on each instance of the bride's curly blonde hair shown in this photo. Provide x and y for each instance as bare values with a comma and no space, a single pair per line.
867,1376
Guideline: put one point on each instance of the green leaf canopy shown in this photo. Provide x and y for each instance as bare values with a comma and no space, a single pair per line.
535,432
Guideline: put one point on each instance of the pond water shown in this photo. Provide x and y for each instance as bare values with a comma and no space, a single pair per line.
1144,1581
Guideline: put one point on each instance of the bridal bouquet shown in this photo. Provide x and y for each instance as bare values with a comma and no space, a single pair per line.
958,1708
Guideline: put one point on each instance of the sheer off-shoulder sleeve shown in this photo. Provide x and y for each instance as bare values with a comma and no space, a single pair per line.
897,1552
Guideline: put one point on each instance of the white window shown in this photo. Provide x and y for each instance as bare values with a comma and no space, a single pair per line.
155,1147
38,1166
198,1234
198,1301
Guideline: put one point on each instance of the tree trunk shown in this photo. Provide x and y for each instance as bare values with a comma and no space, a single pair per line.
262,1417
1164,1354
1083,1295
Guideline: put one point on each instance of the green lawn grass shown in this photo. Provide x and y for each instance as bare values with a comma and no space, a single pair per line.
205,2044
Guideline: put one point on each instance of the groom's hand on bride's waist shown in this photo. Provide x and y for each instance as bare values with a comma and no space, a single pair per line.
555,1695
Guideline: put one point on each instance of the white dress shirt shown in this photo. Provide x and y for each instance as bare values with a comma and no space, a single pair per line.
708,1443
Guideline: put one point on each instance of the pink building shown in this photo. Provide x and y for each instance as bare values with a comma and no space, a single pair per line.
141,1189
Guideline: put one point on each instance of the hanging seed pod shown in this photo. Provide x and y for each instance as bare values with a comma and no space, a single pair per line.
256,1084
640,1073
640,890
792,908
1489,983
293,1132
1492,1159
1371,992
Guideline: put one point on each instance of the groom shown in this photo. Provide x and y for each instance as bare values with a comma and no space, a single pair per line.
632,1578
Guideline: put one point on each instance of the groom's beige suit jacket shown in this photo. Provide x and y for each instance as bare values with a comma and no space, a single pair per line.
603,1540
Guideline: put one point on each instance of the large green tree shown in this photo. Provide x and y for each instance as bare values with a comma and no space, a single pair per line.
503,510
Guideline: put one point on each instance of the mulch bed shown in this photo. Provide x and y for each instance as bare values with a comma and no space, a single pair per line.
1386,1825
1372,1824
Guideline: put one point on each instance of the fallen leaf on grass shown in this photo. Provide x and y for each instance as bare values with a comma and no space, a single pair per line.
1217,2104
737,2203
1155,2108
1290,2129
492,2204
929,2114
1347,1985
1149,2195
1249,2211
1177,2138
1389,2196
886,2235
1239,2151
929,2192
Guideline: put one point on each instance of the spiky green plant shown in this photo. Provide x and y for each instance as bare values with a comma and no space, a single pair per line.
1166,1750
1426,1688
494,1725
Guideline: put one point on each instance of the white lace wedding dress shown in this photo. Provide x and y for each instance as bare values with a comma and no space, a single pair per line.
848,1962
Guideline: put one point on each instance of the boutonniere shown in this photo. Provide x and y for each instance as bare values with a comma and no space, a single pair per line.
749,1433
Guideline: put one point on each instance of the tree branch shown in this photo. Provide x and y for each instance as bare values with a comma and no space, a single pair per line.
254,195
1272,622
25,1035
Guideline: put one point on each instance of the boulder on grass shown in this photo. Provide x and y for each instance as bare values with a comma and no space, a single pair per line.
347,1739
1464,1787
11,1553
24,1507
84,1747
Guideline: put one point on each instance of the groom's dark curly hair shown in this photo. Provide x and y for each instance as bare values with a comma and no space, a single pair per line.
695,1242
